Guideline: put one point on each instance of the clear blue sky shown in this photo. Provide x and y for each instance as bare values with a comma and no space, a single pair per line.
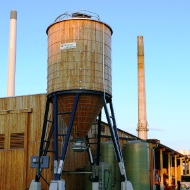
165,26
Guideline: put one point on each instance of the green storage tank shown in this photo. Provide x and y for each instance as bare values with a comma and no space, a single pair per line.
136,160
105,176
108,156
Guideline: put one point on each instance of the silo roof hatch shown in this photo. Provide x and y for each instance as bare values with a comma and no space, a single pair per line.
81,15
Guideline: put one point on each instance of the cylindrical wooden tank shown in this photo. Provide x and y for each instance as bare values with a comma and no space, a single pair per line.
79,60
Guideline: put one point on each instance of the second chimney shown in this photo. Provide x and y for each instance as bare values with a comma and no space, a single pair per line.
142,121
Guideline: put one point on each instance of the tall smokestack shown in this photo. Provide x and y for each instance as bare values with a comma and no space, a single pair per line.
12,54
142,122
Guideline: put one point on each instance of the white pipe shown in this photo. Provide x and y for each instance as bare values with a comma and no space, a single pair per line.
103,61
12,54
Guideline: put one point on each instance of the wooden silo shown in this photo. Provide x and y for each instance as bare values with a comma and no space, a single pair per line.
79,60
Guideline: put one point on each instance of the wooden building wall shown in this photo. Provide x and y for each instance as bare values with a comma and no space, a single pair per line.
21,121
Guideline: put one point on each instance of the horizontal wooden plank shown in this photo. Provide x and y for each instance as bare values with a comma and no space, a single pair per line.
25,110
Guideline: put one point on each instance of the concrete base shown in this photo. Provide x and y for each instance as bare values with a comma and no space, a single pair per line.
95,185
129,185
161,187
57,185
35,185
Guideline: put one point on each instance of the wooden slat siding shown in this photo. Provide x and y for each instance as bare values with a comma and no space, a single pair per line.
75,181
3,169
13,172
25,115
178,173
2,131
80,67
15,111
6,132
14,164
75,160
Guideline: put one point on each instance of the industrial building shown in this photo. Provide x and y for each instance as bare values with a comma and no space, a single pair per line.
20,132
61,135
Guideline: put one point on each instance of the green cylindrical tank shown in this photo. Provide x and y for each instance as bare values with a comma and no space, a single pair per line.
108,156
136,160
105,176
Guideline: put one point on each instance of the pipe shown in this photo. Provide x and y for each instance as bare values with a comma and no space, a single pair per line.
142,121
12,54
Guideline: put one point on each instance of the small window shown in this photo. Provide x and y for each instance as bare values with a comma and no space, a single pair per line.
2,141
17,141
185,178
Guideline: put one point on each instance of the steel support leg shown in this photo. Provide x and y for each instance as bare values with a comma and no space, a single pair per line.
38,172
99,139
64,150
93,165
117,148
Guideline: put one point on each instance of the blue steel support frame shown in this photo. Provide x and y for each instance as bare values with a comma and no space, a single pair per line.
88,147
44,143
99,139
55,128
53,98
92,164
38,172
115,127
64,150
114,134
44,127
